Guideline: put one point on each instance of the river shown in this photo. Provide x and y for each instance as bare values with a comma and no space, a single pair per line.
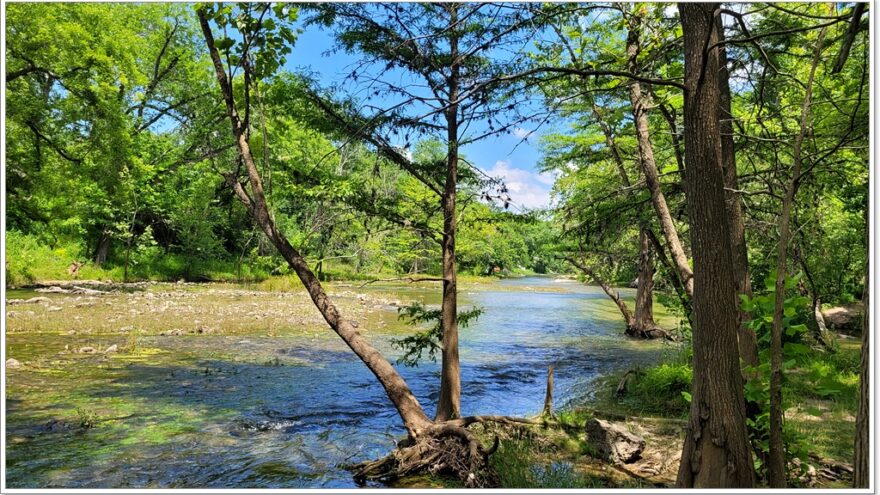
261,404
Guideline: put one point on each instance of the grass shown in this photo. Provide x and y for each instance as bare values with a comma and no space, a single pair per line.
528,463
820,394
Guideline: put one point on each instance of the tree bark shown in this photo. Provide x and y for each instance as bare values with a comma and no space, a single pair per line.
449,405
644,317
748,341
103,249
862,447
646,158
673,274
716,450
776,459
408,407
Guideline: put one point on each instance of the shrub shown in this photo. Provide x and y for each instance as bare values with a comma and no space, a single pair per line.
661,389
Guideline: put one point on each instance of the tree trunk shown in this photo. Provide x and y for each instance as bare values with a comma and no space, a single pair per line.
776,459
449,406
103,249
610,291
748,341
862,448
646,159
673,274
408,407
644,316
716,450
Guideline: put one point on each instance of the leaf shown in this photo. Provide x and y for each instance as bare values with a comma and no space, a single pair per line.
224,43
687,396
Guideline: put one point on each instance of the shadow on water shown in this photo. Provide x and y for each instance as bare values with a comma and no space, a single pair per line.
296,421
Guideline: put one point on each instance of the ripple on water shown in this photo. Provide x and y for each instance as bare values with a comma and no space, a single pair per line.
292,411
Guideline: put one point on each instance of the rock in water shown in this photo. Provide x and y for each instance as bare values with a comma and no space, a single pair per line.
112,348
613,442
87,350
13,363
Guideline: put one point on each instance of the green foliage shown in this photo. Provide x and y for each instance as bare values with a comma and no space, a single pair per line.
796,309
28,260
795,312
662,389
427,341
516,468
87,418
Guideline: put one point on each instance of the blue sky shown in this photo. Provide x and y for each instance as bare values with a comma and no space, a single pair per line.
506,156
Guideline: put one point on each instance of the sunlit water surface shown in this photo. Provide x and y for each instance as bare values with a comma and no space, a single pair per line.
196,417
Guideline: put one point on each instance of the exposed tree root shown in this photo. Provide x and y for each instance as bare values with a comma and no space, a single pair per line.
650,333
444,449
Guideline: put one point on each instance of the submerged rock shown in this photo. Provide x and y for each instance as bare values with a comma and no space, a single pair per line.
56,425
87,350
13,363
613,442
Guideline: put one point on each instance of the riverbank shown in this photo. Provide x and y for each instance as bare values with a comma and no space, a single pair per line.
819,429
183,385
154,372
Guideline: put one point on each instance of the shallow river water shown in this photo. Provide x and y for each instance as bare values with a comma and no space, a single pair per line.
283,408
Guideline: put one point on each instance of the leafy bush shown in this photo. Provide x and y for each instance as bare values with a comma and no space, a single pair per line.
21,254
28,260
796,310
663,389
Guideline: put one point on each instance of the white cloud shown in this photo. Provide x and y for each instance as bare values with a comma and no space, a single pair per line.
526,189
522,133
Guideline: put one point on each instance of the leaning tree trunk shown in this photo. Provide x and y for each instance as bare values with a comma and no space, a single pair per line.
645,332
443,448
776,460
862,447
748,341
716,450
646,159
398,391
449,405
609,291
